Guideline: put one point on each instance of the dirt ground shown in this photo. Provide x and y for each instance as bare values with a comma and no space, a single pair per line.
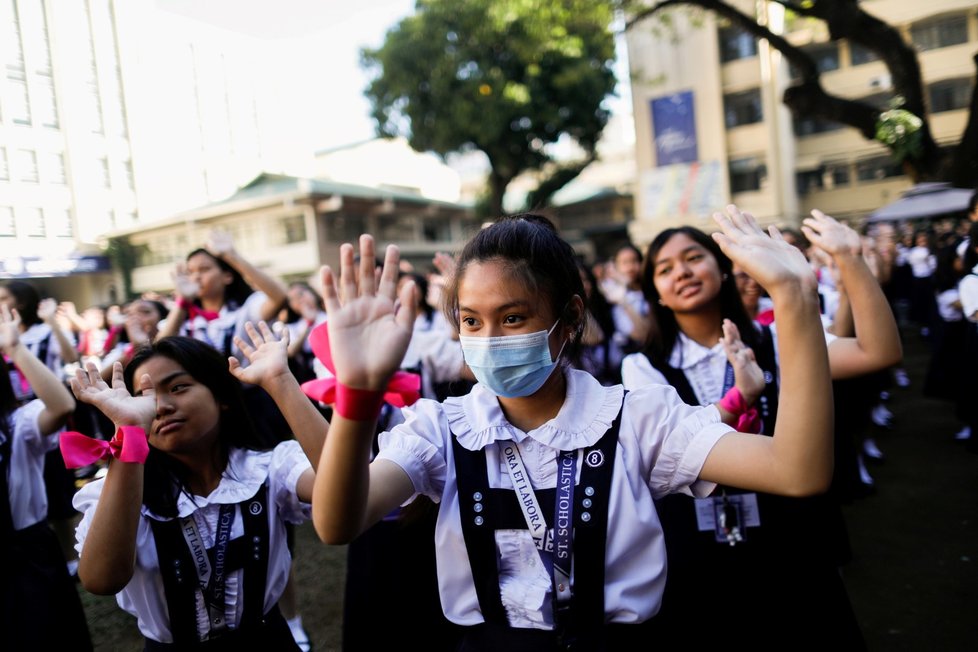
913,579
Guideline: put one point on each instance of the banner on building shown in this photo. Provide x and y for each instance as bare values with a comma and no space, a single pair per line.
674,126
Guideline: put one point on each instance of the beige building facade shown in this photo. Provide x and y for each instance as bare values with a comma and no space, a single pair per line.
711,128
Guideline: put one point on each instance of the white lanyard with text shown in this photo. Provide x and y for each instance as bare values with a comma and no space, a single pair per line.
556,550
212,581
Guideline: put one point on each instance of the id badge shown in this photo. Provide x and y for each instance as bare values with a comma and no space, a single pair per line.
728,516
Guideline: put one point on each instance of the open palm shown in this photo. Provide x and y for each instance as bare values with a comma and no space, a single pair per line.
768,259
368,331
115,402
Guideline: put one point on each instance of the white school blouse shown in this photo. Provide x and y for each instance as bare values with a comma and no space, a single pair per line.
214,332
662,446
144,597
968,291
25,469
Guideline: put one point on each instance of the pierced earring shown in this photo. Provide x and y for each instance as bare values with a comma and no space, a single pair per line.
726,276
660,302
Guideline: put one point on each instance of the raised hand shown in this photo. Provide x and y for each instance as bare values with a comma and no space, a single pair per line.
9,329
183,284
47,309
116,402
268,355
368,336
830,235
219,243
445,264
769,260
748,375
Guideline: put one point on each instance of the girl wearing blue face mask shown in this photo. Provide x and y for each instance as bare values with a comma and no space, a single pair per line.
547,535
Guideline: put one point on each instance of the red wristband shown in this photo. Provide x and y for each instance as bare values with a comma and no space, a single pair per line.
358,404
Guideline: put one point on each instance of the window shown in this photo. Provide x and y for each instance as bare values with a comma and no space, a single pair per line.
47,104
808,181
130,180
743,108
60,223
19,105
826,56
55,169
949,95
859,55
811,126
747,174
736,44
826,177
27,165
838,173
8,227
33,221
102,172
875,169
293,229
4,169
940,33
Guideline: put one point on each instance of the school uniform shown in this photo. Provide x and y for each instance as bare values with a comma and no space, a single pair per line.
40,606
623,323
262,486
785,569
659,448
230,321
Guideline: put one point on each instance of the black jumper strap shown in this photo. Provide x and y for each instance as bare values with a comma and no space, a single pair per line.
180,579
485,510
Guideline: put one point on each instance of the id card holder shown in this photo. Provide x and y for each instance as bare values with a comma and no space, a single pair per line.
728,516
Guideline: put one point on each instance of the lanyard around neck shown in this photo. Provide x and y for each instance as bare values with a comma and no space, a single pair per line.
556,550
212,579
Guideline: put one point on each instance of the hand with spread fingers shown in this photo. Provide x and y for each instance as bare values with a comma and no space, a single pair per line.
748,375
368,332
116,402
768,259
267,355
9,329
831,236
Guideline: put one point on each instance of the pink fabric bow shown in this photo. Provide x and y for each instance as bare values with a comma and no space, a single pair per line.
403,389
748,419
193,310
128,445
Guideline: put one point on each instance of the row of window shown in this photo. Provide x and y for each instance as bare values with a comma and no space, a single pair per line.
744,108
25,164
35,223
840,174
926,35
750,174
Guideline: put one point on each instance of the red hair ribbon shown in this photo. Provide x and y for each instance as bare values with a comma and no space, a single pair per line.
128,445
403,388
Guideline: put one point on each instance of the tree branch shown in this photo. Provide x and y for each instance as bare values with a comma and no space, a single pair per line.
964,162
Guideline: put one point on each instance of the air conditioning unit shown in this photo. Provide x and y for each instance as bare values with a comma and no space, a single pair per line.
881,82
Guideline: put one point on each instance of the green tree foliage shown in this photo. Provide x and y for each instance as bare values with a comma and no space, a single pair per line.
507,77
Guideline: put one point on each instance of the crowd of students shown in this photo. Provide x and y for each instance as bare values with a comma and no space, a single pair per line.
597,450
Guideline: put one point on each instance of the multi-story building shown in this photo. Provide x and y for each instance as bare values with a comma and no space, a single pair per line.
711,128
66,172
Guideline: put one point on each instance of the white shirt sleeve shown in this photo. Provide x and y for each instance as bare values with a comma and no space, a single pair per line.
637,371
968,289
288,463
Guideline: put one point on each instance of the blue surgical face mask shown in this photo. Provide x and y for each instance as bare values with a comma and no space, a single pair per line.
511,366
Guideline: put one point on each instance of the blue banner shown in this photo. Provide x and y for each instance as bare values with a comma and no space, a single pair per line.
674,126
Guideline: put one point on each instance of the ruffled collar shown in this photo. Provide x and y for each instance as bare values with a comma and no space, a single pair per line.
245,473
588,411
688,353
